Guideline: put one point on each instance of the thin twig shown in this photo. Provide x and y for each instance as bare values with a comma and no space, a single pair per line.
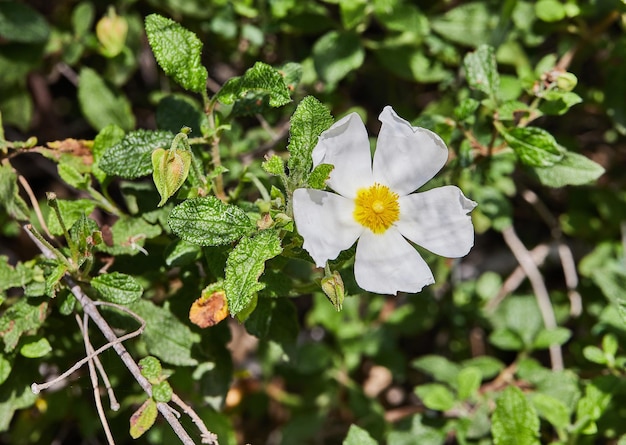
93,375
35,204
207,436
525,260
92,311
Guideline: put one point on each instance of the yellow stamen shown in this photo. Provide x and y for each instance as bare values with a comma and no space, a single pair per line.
376,208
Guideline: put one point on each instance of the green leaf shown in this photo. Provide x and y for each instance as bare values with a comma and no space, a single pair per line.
534,146
5,368
358,436
260,86
319,176
100,104
177,111
71,211
132,157
595,355
36,347
550,10
181,253
274,165
435,396
21,23
469,380
353,12
245,265
506,339
162,392
207,221
73,177
611,279
573,169
489,367
514,420
336,54
469,24
10,199
559,102
129,235
151,368
310,119
15,394
178,51
551,409
440,368
417,433
548,337
165,335
143,419
20,318
482,71
117,288
82,18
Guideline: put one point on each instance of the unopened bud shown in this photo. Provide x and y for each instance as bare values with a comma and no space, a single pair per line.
170,170
332,285
566,81
111,31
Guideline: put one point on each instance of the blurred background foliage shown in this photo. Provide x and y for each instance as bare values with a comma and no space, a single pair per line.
465,361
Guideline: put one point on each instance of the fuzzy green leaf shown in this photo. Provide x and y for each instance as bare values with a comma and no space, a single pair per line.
573,169
534,146
162,392
514,421
21,23
5,367
207,221
100,104
178,51
260,86
132,157
482,71
166,336
10,199
151,368
20,318
71,211
310,119
143,419
245,265
319,176
117,287
35,348
358,436
274,165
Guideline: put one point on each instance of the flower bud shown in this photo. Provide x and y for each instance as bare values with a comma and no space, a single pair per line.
170,170
332,285
111,31
566,81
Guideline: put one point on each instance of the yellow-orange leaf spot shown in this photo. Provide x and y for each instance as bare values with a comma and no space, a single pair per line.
209,310
376,208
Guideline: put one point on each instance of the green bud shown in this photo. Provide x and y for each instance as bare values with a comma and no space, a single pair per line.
111,31
332,285
170,170
566,81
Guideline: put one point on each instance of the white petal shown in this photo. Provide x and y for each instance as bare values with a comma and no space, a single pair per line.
345,145
438,220
388,264
406,157
325,222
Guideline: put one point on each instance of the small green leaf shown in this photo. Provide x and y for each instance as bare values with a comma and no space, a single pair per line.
611,279
162,392
117,287
551,409
559,102
469,380
151,368
10,199
207,221
468,24
319,176
132,157
548,337
610,344
337,54
260,86
435,396
100,104
177,111
178,51
143,419
358,436
595,355
310,119
73,177
35,348
440,368
181,253
166,336
573,169
18,319
274,165
5,368
482,71
550,10
514,420
21,23
506,339
71,211
245,265
534,146
129,236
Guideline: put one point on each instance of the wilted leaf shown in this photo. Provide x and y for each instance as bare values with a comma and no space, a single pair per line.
210,308
143,419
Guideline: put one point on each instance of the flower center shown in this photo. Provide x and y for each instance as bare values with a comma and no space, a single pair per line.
376,208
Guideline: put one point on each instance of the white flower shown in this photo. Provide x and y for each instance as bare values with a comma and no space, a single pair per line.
374,204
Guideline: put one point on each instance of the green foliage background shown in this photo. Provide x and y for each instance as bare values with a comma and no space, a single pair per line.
530,98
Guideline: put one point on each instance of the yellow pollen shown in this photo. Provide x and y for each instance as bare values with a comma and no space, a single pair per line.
376,208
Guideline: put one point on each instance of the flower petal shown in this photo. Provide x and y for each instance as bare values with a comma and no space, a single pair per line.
346,146
388,264
438,220
406,157
325,222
